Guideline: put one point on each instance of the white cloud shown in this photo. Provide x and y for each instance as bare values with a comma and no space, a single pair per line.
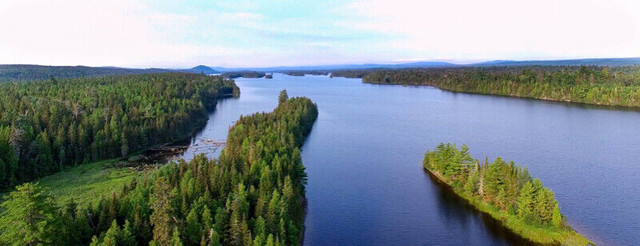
504,28
63,32
230,33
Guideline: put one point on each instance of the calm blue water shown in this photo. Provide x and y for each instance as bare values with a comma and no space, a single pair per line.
363,157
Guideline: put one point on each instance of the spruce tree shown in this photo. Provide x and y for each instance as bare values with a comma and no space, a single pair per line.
557,218
28,216
206,219
526,200
175,238
192,230
112,235
283,96
126,236
162,211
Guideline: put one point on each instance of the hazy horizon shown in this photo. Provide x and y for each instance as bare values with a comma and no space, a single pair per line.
168,34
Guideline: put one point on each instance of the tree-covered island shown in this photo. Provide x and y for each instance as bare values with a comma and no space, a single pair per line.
504,191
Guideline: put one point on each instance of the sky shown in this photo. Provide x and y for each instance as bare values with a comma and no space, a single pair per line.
238,33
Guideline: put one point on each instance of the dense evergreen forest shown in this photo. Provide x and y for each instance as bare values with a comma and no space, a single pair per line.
305,72
613,86
48,125
252,195
36,72
505,191
243,74
350,73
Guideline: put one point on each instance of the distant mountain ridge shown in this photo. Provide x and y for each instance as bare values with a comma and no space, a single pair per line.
435,64
202,69
23,72
19,72
566,62
338,67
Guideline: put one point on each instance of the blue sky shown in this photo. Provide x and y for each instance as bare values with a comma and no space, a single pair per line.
145,33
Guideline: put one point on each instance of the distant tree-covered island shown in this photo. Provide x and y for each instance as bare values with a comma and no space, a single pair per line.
350,73
243,74
46,126
504,191
295,73
611,86
305,72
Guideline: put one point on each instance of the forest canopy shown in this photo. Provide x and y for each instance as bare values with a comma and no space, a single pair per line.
613,86
252,195
37,72
48,125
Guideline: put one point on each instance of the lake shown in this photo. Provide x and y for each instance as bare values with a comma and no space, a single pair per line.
364,160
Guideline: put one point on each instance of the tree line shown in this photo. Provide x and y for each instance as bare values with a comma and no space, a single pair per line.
503,185
252,195
37,72
613,86
354,73
244,74
48,125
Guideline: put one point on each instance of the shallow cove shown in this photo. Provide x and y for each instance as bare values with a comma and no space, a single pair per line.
364,159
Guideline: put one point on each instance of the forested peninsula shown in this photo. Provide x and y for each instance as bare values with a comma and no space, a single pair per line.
252,195
611,86
48,125
504,191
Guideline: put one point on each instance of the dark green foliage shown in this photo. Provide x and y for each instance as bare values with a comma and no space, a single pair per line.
48,125
294,73
350,73
243,74
28,217
175,205
283,96
504,185
36,72
614,86
304,72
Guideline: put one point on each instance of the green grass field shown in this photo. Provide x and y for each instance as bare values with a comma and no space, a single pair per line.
85,184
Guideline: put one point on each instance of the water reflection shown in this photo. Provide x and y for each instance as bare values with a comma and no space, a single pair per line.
457,210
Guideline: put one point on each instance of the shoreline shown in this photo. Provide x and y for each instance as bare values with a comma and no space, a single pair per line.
598,105
162,153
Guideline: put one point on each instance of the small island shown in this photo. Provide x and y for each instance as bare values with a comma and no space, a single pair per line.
295,73
504,191
243,74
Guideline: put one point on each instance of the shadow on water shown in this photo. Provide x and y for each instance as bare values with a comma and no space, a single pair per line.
456,209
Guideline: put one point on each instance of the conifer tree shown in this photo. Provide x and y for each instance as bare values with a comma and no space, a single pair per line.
126,236
175,238
112,235
526,201
557,218
193,231
28,216
162,211
283,96
207,220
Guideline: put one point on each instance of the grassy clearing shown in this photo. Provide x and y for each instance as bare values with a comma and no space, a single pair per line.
85,184
535,234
